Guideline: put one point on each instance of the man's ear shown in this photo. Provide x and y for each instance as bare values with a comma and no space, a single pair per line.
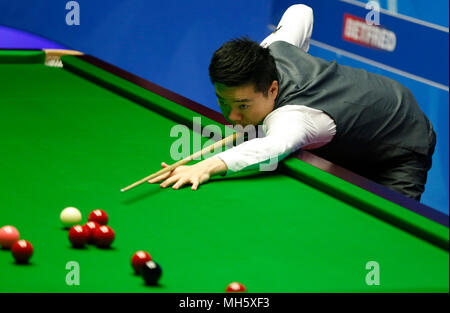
273,89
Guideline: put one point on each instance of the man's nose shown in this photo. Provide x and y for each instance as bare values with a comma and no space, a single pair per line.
235,116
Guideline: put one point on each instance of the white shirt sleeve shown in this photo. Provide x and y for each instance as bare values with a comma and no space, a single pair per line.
295,27
286,130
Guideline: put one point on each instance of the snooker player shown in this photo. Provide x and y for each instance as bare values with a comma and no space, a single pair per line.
365,122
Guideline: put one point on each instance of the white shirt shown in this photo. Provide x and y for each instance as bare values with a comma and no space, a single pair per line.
289,127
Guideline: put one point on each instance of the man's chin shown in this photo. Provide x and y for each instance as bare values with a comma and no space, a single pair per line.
243,124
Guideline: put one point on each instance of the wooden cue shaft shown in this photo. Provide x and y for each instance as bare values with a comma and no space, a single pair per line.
214,146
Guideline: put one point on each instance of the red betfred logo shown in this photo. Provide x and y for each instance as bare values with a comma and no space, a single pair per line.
356,30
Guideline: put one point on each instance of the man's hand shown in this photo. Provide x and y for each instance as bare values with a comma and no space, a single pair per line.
193,174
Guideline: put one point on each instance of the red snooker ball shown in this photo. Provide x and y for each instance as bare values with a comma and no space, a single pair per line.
235,287
78,236
22,250
103,236
91,227
139,259
98,216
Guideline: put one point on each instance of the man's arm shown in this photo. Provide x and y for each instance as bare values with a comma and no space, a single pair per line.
287,129
295,27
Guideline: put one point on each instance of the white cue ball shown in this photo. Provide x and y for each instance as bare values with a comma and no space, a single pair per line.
70,216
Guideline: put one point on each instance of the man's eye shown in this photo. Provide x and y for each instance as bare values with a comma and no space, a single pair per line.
243,106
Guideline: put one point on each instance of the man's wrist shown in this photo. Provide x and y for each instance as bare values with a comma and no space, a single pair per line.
216,166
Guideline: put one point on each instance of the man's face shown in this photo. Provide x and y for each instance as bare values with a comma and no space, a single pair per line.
243,106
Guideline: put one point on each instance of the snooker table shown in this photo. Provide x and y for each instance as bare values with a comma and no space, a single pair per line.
76,135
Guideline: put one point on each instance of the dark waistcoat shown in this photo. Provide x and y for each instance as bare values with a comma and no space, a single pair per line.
377,119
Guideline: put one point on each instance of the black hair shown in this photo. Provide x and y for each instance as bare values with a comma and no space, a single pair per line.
242,61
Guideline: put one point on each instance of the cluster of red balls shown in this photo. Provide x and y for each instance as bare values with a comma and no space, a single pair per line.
95,231
21,249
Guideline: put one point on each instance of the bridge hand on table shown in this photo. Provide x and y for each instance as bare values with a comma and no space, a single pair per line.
193,174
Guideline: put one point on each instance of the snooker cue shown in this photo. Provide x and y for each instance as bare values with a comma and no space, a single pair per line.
214,146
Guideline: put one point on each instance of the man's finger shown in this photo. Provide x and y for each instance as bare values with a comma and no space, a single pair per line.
180,183
170,181
159,178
